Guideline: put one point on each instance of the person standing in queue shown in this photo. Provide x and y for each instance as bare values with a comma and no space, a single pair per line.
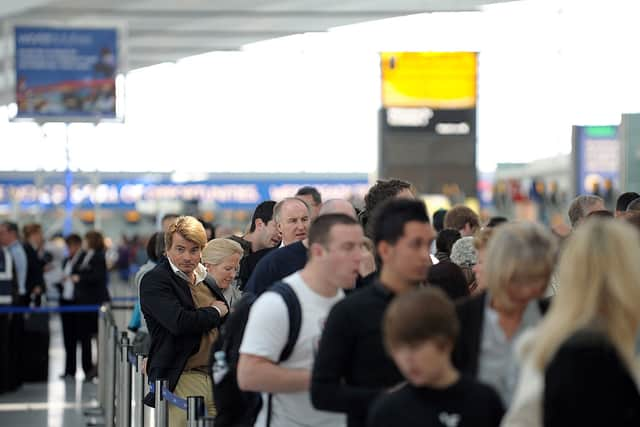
352,367
183,308
89,277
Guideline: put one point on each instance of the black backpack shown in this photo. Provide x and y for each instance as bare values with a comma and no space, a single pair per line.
234,407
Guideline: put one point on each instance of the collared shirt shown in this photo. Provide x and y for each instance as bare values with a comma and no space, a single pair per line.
20,261
68,285
497,362
199,271
202,297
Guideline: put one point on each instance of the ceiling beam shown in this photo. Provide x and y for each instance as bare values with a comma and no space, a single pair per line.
172,33
188,50
105,12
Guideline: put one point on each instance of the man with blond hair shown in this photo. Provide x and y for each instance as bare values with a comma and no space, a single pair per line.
183,308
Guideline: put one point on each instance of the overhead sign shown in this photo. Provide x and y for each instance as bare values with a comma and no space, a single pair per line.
127,194
66,73
436,80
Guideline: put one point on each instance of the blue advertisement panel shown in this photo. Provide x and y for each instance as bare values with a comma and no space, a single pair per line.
598,159
232,194
66,74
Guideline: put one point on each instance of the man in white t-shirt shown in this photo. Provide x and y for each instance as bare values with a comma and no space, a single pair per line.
335,251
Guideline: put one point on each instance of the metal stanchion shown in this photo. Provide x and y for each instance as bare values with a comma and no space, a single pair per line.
206,422
195,410
138,393
162,410
124,386
110,375
102,343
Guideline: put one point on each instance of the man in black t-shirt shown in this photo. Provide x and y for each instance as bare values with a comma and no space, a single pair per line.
351,367
420,329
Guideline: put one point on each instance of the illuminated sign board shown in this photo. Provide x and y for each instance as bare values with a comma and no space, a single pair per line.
436,80
127,194
599,159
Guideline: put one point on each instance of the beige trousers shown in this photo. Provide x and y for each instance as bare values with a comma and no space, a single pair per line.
192,383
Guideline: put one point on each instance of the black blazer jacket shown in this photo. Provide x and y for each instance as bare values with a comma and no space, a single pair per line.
35,269
92,286
176,326
470,311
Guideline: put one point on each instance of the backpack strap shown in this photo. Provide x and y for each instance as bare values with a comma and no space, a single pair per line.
295,316
295,322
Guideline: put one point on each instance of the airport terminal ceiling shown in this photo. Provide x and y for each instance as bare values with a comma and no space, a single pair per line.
166,30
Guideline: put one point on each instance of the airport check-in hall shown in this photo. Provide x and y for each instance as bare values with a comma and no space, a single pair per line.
319,213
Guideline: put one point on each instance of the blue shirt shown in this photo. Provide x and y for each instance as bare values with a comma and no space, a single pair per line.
20,261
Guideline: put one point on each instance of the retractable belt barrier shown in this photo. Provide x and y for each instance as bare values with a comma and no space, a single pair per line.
80,308
121,386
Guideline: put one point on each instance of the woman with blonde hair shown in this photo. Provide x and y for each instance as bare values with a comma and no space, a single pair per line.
579,363
221,258
518,264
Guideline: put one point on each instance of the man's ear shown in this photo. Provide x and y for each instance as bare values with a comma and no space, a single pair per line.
384,250
279,227
316,250
259,223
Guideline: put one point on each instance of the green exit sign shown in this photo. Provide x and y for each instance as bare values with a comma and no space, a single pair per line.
600,131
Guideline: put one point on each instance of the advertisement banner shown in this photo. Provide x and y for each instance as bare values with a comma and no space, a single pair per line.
598,150
126,194
66,73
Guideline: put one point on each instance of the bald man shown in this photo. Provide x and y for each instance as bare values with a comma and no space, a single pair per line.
288,259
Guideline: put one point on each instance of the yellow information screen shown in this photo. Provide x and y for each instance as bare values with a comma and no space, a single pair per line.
437,80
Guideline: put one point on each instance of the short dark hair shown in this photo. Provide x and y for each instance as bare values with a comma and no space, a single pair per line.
634,206
160,245
310,191
624,199
152,244
420,315
445,240
458,216
263,212
322,225
208,226
389,219
449,277
31,228
73,239
438,219
169,216
496,221
383,190
11,226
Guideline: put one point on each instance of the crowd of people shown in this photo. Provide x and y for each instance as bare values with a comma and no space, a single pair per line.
324,315
75,270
